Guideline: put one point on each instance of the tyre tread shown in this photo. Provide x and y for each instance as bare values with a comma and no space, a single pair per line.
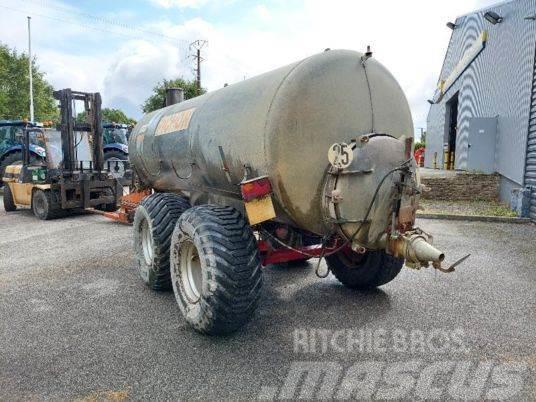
235,266
380,269
164,209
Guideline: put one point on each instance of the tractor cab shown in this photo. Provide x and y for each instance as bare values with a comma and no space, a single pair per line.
11,138
71,175
114,133
115,146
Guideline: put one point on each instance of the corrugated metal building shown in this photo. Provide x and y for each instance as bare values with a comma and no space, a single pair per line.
484,113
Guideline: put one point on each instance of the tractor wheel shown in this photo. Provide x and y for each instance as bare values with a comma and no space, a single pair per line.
364,271
9,202
116,159
154,222
215,269
45,206
14,158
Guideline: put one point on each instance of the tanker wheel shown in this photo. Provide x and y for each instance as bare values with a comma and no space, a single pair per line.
45,205
9,202
215,269
364,271
154,222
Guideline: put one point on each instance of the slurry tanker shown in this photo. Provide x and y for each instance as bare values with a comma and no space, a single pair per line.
312,160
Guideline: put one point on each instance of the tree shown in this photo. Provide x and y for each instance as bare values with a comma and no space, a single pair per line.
109,115
116,116
15,84
157,99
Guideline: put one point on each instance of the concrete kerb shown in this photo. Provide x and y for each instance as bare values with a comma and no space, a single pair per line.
475,218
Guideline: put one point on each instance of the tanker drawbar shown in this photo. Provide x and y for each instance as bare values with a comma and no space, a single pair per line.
312,160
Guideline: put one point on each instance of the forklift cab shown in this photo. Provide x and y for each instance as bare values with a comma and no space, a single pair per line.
72,176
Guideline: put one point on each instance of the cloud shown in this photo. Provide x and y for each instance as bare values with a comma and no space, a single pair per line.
262,12
409,38
180,3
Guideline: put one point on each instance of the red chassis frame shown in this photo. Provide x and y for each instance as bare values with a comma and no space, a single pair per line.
269,255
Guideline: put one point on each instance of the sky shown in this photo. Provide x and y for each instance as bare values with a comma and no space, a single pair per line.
123,48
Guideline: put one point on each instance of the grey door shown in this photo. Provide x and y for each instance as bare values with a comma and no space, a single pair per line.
481,144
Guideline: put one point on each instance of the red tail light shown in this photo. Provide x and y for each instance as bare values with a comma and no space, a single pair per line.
255,188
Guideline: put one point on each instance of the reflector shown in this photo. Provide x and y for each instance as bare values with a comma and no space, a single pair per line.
255,188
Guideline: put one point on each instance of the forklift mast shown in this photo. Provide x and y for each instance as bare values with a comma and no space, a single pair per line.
69,125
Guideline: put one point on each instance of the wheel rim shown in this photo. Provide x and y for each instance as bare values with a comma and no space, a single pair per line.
116,169
191,275
39,205
147,242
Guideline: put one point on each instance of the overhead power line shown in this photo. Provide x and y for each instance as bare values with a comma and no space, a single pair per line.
169,39
107,21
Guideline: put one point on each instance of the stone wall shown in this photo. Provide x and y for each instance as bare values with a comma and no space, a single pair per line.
462,186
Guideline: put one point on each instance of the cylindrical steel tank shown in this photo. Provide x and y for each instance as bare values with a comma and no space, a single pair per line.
280,124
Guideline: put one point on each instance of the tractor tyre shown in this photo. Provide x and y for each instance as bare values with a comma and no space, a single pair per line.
117,167
154,222
45,205
364,271
14,158
9,202
215,269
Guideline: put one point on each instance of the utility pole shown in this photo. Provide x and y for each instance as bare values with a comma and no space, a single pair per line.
30,70
197,46
422,133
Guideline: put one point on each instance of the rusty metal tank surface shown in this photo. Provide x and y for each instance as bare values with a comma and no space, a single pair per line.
281,124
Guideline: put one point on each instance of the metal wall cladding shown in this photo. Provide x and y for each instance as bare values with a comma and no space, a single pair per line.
279,124
497,83
530,166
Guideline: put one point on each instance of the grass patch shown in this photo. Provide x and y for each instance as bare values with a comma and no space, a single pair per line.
479,208
499,210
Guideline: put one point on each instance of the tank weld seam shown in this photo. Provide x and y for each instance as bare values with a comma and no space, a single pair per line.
207,96
363,63
284,208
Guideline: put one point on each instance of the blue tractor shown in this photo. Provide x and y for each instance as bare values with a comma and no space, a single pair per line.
115,141
11,137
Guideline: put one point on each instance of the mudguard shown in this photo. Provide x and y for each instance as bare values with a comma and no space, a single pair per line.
34,149
116,146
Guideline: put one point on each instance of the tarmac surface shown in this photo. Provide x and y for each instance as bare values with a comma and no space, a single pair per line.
76,323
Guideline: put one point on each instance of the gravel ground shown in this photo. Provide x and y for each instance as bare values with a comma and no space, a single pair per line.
76,323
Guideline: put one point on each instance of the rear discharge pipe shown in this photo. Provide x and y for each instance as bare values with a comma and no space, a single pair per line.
418,249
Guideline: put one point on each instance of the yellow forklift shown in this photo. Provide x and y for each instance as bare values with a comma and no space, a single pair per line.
72,176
